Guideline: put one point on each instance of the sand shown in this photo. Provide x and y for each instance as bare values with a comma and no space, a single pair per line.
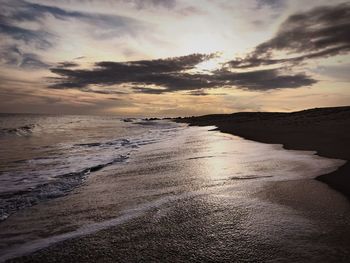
173,204
324,130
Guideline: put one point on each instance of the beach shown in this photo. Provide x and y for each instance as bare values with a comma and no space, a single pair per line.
174,131
324,130
195,195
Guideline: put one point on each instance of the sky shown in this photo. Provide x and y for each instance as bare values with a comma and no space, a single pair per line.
173,57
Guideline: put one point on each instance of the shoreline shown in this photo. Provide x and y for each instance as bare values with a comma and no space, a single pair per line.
113,222
324,130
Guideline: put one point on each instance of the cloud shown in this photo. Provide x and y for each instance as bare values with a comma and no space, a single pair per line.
338,72
19,17
275,4
26,33
23,11
198,93
315,30
267,79
67,64
153,3
138,4
318,33
13,56
20,10
161,71
172,75
148,90
40,39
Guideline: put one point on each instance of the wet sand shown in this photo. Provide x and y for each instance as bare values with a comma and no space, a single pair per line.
324,130
202,197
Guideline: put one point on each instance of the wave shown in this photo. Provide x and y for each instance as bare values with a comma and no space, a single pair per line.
56,170
118,142
126,143
13,201
103,155
25,130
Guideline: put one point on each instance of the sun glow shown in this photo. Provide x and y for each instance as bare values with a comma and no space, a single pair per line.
211,65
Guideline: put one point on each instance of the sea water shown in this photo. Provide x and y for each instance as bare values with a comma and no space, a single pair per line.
46,156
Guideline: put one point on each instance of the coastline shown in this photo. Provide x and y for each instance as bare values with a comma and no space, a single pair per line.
324,130
169,202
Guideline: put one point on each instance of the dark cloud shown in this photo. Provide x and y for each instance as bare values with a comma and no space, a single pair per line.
40,39
13,56
152,3
276,4
16,37
163,72
32,61
105,92
171,75
174,64
16,13
198,93
19,10
315,30
264,79
320,32
22,11
138,4
148,90
67,64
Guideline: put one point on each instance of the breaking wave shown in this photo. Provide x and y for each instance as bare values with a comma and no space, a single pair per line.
13,201
59,168
25,130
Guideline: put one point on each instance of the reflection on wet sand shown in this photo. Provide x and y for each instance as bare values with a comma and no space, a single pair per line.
201,196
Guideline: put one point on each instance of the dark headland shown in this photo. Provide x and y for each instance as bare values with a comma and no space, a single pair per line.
325,130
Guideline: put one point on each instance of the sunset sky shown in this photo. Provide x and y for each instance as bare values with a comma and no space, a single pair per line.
173,57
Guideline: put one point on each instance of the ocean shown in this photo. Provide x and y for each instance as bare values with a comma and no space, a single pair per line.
44,157
142,190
